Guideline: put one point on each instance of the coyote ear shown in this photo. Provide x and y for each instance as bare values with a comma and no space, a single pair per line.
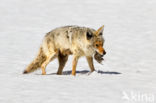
89,35
100,31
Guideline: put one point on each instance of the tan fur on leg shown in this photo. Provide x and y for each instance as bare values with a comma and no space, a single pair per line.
75,60
62,61
90,63
49,58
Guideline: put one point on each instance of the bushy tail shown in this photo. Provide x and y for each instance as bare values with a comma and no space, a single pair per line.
36,63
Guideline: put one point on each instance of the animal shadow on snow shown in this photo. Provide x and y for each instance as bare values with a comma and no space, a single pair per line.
87,72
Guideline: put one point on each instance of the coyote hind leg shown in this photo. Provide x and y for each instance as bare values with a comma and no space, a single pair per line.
62,61
44,64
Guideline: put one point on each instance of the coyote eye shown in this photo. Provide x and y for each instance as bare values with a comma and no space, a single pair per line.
97,45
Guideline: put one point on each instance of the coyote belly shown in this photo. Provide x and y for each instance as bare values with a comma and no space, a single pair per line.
68,40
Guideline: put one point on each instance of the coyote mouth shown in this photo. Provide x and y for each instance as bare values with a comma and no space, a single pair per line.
98,57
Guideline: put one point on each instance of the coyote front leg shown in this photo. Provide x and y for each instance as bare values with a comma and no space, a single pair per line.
90,63
75,60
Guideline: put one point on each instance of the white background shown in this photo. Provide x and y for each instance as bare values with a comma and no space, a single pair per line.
130,43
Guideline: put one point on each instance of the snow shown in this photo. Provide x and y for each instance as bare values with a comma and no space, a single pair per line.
130,44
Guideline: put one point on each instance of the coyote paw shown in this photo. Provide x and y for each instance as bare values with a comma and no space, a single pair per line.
43,73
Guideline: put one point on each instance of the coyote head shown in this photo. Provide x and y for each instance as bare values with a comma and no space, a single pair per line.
96,39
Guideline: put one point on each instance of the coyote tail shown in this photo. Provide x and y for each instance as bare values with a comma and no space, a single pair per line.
36,63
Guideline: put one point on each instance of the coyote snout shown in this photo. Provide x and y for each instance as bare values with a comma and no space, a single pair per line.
102,52
99,48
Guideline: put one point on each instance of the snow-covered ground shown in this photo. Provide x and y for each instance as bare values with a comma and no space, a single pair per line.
128,74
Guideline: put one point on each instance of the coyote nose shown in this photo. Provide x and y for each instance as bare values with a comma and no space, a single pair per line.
104,52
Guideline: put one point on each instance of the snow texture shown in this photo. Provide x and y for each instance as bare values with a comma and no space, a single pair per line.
130,43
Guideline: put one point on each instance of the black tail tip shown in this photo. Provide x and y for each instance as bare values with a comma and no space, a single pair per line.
25,72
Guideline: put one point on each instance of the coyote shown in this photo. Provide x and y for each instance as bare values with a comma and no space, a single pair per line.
69,40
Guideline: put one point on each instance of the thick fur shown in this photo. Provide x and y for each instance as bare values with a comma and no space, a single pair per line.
67,40
36,63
